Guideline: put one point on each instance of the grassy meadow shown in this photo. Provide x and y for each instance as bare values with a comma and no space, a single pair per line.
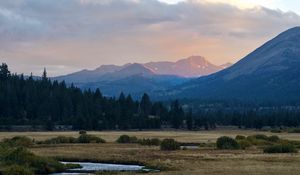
205,160
181,136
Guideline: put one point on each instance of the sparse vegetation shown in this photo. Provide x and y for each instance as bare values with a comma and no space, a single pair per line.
240,137
17,170
227,143
294,130
22,141
127,139
59,140
169,145
282,148
150,142
83,138
82,132
276,130
244,144
273,138
87,138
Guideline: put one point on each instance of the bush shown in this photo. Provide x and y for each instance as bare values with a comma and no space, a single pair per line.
295,130
273,138
263,140
169,145
261,137
82,132
18,156
86,138
59,140
19,141
227,143
240,137
127,139
295,143
244,144
259,140
276,130
150,142
83,138
283,148
18,170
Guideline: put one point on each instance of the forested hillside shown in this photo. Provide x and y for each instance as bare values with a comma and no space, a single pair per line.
44,104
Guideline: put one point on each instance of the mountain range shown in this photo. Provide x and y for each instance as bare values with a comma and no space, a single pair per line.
269,74
136,79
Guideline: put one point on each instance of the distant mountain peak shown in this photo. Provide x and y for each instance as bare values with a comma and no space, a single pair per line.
195,58
193,66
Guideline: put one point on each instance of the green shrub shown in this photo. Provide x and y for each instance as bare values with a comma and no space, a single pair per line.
227,143
273,138
282,148
295,143
276,130
59,140
82,132
83,138
150,142
244,144
263,140
86,138
18,170
72,166
169,145
19,141
127,139
19,156
295,130
259,140
240,137
261,137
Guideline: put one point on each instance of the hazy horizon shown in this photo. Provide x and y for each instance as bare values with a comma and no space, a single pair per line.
67,36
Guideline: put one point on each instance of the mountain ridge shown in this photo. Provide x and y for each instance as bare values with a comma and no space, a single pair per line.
167,68
269,73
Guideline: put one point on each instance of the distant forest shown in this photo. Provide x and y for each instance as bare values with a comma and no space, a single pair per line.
41,102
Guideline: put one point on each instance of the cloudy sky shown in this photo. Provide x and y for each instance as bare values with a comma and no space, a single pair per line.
69,35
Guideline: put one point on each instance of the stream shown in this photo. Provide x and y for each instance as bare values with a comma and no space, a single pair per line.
87,168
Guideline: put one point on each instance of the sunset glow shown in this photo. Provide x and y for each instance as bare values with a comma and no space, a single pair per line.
66,36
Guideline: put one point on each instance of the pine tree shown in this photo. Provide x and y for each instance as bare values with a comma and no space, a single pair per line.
189,120
4,72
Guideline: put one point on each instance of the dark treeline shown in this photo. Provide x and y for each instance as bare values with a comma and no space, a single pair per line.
248,117
27,101
41,102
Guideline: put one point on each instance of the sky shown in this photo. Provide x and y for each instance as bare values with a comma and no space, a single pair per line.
69,35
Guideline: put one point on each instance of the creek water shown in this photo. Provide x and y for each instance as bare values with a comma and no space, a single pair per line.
88,168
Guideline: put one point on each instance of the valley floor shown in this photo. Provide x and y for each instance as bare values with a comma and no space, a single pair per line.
181,136
206,160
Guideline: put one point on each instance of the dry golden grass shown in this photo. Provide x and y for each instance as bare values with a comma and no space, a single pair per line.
192,162
206,161
182,136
